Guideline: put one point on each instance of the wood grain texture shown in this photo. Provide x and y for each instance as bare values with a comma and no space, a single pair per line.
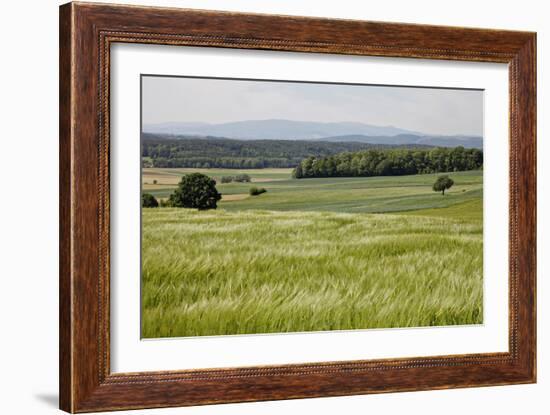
86,33
65,247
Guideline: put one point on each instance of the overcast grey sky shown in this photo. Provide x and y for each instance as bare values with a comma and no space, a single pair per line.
427,110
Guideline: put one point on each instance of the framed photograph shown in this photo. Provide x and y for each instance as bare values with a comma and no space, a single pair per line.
259,207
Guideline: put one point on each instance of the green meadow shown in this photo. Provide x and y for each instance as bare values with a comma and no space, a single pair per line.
312,254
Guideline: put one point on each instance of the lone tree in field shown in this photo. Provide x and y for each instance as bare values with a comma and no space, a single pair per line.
255,191
443,183
196,190
149,201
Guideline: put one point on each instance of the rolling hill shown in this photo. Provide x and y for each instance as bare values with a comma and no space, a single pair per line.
311,131
412,139
275,129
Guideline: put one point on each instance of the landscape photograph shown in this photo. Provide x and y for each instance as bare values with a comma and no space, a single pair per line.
273,206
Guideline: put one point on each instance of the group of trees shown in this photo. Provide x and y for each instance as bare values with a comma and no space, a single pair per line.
166,151
195,190
393,162
239,178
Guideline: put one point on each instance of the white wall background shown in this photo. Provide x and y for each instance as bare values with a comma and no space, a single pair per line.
29,230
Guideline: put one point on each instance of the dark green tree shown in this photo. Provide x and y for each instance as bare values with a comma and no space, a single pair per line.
307,167
297,172
443,183
384,168
149,201
242,178
255,191
196,190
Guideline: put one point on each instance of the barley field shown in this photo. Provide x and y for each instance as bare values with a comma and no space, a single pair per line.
312,255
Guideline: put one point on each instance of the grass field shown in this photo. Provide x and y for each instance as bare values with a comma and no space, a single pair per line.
312,254
354,195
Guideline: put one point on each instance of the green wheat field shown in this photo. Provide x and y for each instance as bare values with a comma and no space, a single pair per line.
312,255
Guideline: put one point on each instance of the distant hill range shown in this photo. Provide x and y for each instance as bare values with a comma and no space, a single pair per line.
412,139
313,131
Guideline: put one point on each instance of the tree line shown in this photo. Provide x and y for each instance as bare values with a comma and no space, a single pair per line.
213,152
394,162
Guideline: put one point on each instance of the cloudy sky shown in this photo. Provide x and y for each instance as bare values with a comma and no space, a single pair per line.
427,110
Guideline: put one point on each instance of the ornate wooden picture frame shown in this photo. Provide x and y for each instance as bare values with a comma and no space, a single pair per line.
87,32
